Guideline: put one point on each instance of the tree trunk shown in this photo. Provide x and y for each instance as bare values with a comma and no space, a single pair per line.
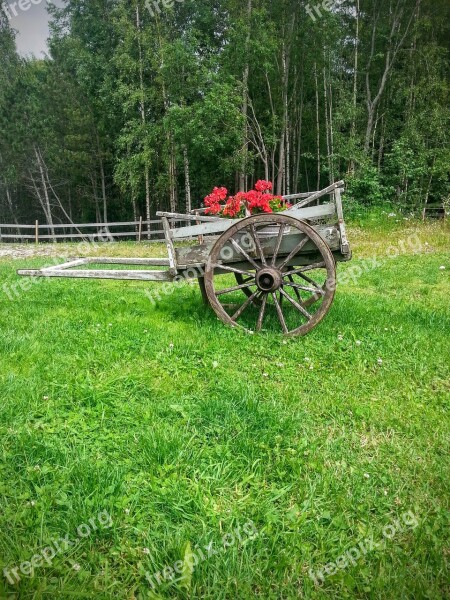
135,212
245,76
331,129
317,126
187,179
98,218
327,126
381,145
143,119
46,199
11,207
355,88
393,48
281,178
148,208
299,139
103,182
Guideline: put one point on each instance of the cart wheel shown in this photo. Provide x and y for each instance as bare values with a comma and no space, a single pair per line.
285,274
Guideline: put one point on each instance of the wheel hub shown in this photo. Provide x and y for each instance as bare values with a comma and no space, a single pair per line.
268,280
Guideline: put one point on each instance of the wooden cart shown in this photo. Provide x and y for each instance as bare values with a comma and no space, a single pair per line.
264,271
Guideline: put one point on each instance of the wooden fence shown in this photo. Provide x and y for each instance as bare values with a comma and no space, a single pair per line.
98,232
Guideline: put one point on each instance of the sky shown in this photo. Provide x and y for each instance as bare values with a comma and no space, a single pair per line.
31,25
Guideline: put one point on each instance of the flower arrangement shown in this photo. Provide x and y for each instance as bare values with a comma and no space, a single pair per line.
257,201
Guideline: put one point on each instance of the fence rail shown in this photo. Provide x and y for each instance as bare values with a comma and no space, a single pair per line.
143,231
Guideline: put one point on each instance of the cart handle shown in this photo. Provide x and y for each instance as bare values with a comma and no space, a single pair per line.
315,196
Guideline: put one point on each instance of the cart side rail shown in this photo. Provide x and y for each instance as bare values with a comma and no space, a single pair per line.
218,225
339,185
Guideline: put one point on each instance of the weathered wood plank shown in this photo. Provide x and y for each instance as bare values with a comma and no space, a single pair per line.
200,254
149,262
295,196
79,225
345,246
100,274
186,217
221,225
204,229
82,236
312,212
169,245
68,265
317,195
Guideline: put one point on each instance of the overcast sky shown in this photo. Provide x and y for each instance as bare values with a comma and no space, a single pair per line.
31,25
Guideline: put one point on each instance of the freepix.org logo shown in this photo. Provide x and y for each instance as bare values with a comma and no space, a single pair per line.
15,8
156,7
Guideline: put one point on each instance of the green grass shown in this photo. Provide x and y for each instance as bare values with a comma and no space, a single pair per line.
183,430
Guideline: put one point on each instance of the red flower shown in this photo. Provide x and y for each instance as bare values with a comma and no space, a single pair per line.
221,193
233,206
213,209
256,201
263,186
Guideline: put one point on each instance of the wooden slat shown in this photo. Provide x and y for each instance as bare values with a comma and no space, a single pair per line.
10,236
294,196
181,217
200,254
169,245
9,226
221,225
319,194
76,236
345,246
78,225
100,274
204,229
68,237
105,225
312,212
150,262
73,263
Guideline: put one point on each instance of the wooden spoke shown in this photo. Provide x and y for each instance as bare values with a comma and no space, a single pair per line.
280,313
309,280
234,270
233,289
299,270
297,293
294,252
247,303
278,244
258,244
261,313
300,308
240,279
244,253
296,286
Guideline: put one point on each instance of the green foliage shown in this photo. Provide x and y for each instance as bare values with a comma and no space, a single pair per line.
135,111
365,186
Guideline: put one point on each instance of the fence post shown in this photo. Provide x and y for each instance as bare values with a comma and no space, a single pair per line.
140,229
36,231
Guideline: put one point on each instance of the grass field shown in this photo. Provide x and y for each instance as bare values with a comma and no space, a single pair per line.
152,438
